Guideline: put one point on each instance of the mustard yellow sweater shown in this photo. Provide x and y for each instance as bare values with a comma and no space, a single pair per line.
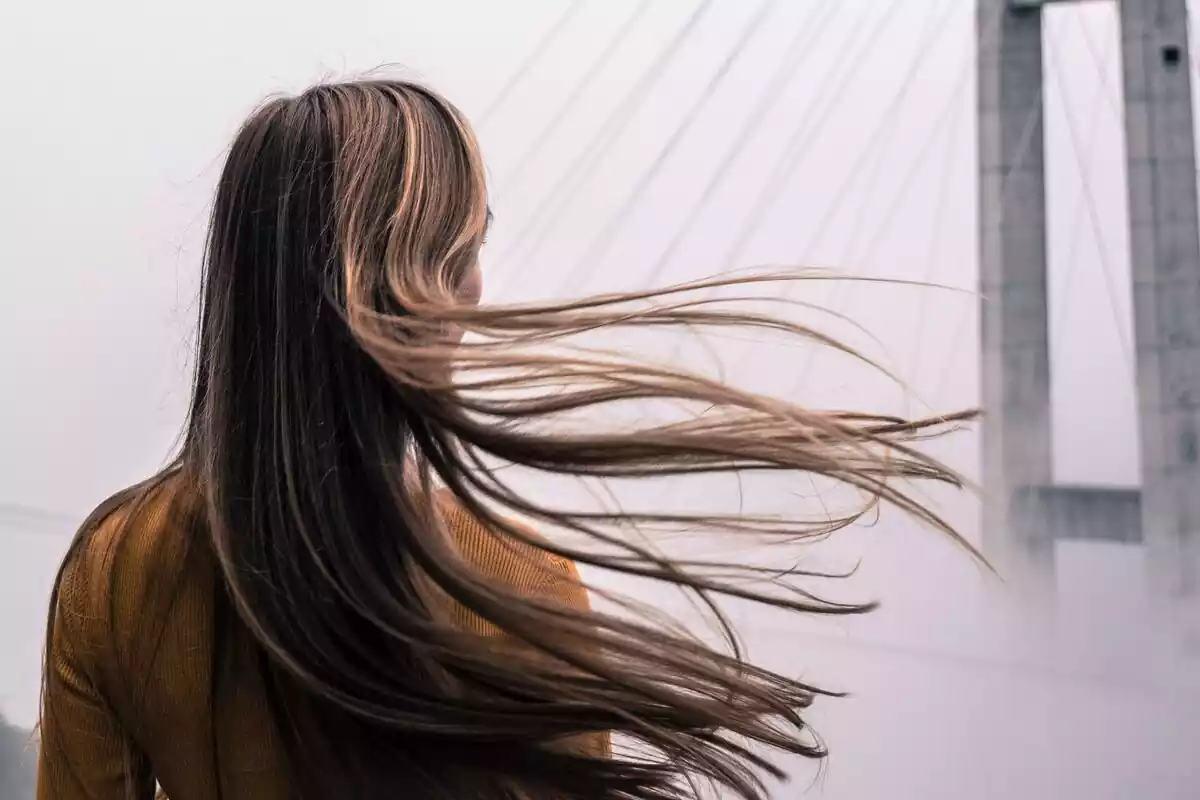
130,697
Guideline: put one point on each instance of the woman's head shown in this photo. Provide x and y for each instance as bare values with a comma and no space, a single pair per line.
333,391
338,209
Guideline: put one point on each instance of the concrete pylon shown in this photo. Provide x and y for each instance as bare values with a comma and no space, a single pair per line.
1165,264
1012,269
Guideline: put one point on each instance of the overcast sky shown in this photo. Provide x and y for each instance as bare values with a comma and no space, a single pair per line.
116,115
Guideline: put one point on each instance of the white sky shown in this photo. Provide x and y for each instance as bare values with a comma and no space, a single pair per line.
116,115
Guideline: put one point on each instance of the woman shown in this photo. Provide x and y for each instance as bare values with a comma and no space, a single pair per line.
325,596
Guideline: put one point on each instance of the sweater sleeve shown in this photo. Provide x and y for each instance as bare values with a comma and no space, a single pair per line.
86,754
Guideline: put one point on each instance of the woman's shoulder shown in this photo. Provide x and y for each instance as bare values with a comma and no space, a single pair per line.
127,563
520,563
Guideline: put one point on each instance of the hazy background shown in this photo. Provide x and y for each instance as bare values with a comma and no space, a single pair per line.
115,120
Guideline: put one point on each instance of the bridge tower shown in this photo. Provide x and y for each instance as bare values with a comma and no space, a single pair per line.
1024,511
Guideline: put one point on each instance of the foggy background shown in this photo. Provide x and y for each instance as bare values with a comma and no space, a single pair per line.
831,133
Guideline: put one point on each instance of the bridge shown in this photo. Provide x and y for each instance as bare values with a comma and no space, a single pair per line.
1024,512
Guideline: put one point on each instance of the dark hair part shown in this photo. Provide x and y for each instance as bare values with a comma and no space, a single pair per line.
332,393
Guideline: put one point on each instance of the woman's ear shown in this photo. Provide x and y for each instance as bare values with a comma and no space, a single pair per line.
470,291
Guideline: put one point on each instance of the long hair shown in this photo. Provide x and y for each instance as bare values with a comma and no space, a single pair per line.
334,391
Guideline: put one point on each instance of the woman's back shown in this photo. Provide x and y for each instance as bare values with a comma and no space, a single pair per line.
283,611
166,682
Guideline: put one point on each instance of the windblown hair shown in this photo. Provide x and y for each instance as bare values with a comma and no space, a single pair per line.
334,394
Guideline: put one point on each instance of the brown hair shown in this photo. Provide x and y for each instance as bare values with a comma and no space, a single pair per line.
332,394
